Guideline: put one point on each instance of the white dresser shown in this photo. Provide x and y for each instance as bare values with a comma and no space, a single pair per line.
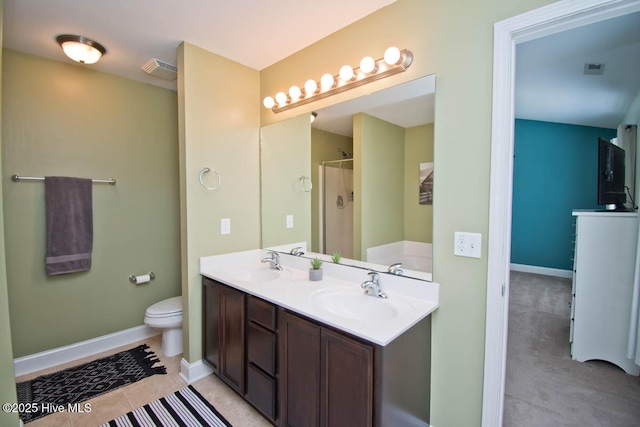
603,274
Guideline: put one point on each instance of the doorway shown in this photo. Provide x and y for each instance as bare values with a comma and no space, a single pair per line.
538,23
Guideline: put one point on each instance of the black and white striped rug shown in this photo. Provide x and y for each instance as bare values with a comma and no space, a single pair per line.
184,408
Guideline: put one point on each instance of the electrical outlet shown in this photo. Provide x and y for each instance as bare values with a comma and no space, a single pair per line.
225,226
467,244
289,221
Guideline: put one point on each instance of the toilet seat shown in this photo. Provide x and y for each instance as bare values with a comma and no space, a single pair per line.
171,307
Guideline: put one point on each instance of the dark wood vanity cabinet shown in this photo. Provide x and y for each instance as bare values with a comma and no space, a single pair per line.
326,377
239,343
299,356
301,373
224,332
261,356
346,385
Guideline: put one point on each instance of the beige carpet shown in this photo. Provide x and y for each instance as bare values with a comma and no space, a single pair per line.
544,387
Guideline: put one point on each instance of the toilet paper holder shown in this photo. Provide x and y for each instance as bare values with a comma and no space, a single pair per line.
138,279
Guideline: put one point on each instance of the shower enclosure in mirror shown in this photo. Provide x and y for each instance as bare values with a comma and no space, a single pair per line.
335,213
363,159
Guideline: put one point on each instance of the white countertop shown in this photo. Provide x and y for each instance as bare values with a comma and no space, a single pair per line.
595,212
376,320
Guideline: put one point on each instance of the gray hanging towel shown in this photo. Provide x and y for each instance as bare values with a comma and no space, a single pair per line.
69,211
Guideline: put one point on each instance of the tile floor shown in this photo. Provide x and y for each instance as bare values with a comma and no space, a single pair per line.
118,402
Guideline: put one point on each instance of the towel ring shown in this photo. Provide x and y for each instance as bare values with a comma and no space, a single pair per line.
205,170
302,179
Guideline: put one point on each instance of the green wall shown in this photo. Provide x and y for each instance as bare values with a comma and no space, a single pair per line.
324,148
219,120
418,219
63,119
379,167
285,154
7,381
453,40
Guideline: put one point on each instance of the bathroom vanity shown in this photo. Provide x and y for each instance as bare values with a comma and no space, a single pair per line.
303,354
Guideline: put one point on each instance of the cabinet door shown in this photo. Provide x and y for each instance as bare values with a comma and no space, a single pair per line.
211,323
299,357
346,386
232,351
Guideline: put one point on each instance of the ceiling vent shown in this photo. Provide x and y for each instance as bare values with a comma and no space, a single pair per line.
593,69
160,69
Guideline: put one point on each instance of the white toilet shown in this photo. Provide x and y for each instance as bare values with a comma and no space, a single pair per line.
166,315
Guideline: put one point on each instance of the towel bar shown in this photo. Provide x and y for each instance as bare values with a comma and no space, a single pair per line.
18,178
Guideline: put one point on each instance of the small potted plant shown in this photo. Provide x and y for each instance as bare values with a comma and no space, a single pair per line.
315,272
336,257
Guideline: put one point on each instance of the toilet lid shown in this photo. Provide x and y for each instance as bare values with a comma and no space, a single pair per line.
167,307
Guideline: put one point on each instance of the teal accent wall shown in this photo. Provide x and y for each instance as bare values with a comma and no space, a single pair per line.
554,172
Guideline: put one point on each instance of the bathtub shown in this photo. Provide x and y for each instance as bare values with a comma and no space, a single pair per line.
413,255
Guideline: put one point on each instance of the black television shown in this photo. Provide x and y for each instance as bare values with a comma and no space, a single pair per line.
611,188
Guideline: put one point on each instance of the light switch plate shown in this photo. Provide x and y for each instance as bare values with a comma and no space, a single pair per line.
225,226
467,244
289,221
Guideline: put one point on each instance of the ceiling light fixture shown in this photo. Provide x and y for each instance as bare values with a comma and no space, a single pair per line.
393,62
313,116
81,49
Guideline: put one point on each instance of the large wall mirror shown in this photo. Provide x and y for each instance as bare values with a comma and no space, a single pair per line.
357,179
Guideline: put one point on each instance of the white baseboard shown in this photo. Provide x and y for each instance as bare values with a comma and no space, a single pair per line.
69,353
192,372
555,272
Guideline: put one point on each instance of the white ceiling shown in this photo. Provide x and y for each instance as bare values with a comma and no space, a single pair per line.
551,86
256,33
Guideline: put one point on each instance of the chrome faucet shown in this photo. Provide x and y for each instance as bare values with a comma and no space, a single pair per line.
396,269
274,260
296,251
372,286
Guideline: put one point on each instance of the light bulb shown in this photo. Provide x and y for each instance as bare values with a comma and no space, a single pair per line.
346,73
310,87
268,102
392,56
367,65
81,52
327,81
295,93
281,98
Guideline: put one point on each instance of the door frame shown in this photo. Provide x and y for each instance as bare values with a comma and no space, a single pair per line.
551,19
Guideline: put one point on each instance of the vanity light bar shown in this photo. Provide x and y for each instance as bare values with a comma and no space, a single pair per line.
394,61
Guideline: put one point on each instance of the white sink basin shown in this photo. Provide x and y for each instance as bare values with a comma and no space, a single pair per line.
352,303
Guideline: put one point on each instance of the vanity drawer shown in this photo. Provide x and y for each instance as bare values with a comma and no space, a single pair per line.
262,313
261,391
261,348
